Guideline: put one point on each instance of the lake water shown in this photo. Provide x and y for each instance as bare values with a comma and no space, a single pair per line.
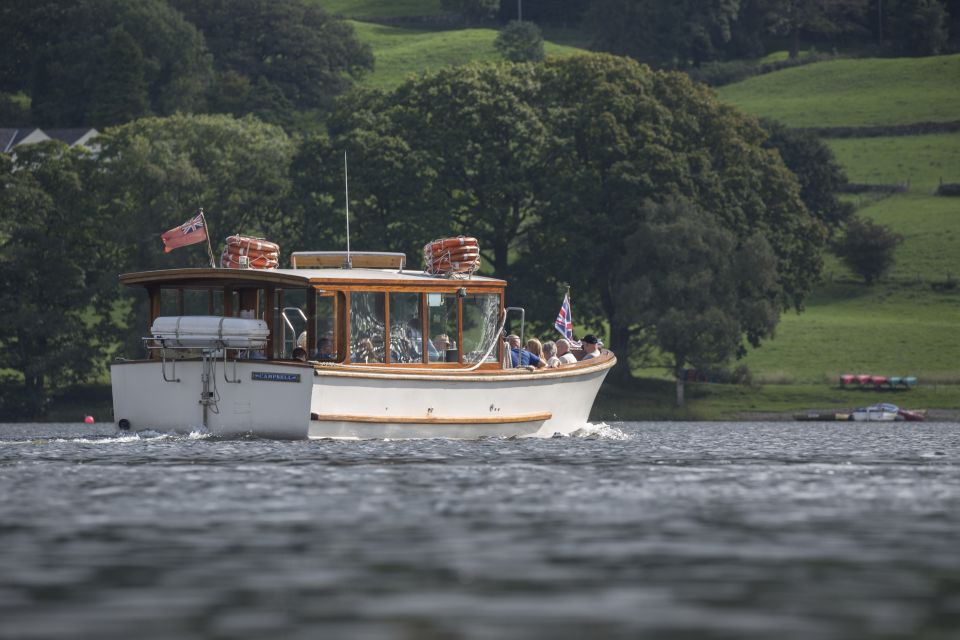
660,530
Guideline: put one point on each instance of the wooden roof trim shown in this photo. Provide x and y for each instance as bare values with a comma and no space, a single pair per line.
206,276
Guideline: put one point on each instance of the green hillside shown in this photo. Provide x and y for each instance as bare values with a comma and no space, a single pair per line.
907,323
401,52
855,92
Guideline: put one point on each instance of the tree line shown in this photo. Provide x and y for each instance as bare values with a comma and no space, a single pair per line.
684,227
105,62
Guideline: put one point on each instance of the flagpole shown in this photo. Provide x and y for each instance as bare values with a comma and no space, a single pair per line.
206,228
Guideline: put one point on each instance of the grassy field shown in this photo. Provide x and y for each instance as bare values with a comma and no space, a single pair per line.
854,92
401,52
919,160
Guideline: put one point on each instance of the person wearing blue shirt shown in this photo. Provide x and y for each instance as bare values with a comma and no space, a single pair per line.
522,357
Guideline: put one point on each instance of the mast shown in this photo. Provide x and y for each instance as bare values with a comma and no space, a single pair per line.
346,189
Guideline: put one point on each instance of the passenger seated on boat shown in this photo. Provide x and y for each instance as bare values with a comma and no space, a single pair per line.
300,354
325,352
550,353
521,357
534,347
563,352
591,347
441,342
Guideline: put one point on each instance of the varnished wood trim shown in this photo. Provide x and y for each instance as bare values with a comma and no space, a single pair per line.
524,417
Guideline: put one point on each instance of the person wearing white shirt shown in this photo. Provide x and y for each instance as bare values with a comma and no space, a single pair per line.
563,352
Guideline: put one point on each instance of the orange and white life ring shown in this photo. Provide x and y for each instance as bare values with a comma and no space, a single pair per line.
449,243
250,243
451,255
254,263
236,252
257,253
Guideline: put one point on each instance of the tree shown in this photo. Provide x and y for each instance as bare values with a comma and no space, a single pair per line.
820,175
919,27
78,41
695,289
623,136
825,17
664,33
51,282
472,10
868,248
156,172
120,92
308,58
459,150
520,42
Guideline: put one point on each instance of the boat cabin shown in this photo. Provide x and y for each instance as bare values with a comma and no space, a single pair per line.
374,313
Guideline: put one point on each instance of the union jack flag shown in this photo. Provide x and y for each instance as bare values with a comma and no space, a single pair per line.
564,322
190,232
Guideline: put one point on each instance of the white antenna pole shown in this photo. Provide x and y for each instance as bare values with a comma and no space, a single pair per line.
346,190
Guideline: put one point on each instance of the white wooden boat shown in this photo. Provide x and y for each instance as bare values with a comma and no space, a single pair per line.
882,412
220,355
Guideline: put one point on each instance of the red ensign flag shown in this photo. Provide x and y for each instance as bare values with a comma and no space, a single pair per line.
190,232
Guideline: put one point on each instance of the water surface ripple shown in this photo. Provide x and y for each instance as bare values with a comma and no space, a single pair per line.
661,530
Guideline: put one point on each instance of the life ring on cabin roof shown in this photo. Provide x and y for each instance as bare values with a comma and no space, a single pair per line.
449,243
254,263
257,253
451,255
237,252
461,254
249,243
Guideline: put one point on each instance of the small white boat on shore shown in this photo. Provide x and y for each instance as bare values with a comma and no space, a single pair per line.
223,345
882,412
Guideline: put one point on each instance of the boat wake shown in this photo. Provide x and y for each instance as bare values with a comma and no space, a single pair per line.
600,431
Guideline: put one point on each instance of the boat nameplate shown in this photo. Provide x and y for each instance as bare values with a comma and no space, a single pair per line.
273,376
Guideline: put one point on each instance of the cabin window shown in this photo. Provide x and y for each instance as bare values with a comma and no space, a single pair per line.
325,349
442,324
290,322
367,330
406,331
481,313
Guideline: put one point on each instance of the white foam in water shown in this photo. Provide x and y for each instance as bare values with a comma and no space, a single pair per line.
600,431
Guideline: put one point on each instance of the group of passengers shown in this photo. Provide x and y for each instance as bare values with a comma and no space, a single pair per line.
549,354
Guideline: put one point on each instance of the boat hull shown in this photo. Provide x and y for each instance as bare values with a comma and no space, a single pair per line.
270,400
280,400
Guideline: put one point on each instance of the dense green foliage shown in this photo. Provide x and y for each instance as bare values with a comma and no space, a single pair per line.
105,62
514,154
307,59
819,174
520,42
84,55
867,248
56,284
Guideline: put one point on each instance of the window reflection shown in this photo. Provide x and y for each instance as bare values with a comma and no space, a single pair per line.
442,322
406,335
480,321
366,327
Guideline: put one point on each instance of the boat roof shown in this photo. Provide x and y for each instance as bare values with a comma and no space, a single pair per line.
303,277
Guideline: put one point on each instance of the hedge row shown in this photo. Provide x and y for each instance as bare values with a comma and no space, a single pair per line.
866,187
717,74
948,189
877,131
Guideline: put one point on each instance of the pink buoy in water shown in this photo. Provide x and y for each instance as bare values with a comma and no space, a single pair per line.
88,420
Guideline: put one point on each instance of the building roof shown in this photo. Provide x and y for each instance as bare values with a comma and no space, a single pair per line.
10,138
